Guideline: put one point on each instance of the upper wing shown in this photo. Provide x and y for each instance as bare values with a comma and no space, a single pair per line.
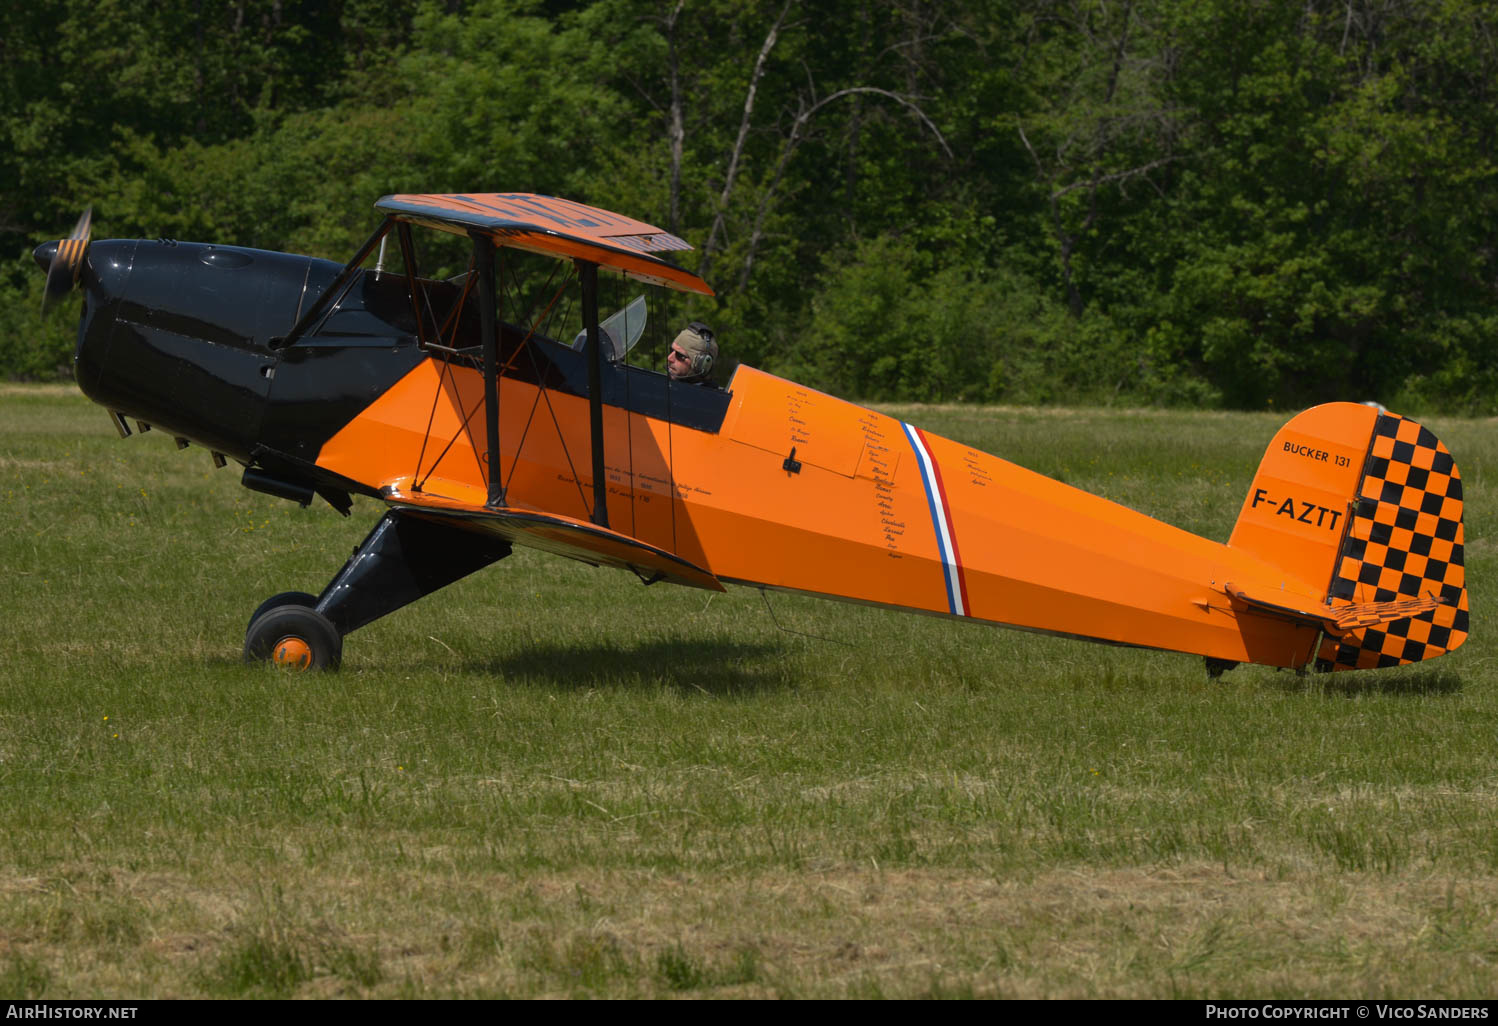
555,227
563,536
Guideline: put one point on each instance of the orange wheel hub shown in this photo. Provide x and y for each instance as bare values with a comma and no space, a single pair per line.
293,653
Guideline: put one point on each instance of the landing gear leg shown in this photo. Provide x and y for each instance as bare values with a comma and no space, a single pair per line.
404,558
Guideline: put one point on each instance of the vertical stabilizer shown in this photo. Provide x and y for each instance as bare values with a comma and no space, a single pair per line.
1364,507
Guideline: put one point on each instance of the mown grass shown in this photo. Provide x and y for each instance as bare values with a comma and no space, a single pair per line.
548,781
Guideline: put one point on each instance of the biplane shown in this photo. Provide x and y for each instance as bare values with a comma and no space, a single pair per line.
482,422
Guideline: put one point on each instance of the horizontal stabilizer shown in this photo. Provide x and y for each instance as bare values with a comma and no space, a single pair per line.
562,536
1371,614
1339,620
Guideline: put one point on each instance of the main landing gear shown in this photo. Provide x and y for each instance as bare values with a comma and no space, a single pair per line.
405,557
293,634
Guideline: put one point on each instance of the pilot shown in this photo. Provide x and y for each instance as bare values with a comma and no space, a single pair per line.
692,354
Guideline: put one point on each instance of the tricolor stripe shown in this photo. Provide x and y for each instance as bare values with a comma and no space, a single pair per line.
941,520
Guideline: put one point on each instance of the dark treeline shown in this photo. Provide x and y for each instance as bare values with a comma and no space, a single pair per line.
1231,202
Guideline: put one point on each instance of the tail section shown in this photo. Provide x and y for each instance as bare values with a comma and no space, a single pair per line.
1365,508
1405,540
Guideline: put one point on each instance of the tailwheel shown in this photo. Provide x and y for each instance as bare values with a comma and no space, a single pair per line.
293,636
1217,667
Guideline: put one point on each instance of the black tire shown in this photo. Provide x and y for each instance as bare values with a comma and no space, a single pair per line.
286,598
296,637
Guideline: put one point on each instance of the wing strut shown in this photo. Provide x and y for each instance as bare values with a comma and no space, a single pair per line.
337,287
483,266
587,274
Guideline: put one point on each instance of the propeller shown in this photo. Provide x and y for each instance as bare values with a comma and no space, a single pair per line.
64,260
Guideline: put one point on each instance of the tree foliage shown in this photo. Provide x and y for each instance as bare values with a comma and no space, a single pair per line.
1167,201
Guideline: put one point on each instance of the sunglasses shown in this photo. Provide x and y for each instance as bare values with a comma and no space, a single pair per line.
678,354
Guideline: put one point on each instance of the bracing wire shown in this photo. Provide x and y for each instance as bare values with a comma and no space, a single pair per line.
764,594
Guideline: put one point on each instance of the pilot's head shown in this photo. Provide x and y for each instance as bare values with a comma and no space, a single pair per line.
692,353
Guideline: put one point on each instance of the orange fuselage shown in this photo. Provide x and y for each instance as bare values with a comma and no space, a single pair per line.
801,491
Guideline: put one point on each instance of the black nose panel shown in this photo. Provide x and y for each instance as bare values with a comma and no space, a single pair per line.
105,278
219,294
176,334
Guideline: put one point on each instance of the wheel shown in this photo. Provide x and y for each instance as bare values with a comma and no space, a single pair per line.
294,636
286,598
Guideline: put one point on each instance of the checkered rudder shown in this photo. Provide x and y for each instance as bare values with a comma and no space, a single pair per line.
1404,540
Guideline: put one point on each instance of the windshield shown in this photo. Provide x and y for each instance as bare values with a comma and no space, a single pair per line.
619,331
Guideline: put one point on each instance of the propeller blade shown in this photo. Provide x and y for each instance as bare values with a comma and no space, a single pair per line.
66,260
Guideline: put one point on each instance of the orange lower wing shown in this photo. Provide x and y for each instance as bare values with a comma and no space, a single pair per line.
562,536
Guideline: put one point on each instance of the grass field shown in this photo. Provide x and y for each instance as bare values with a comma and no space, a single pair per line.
549,781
